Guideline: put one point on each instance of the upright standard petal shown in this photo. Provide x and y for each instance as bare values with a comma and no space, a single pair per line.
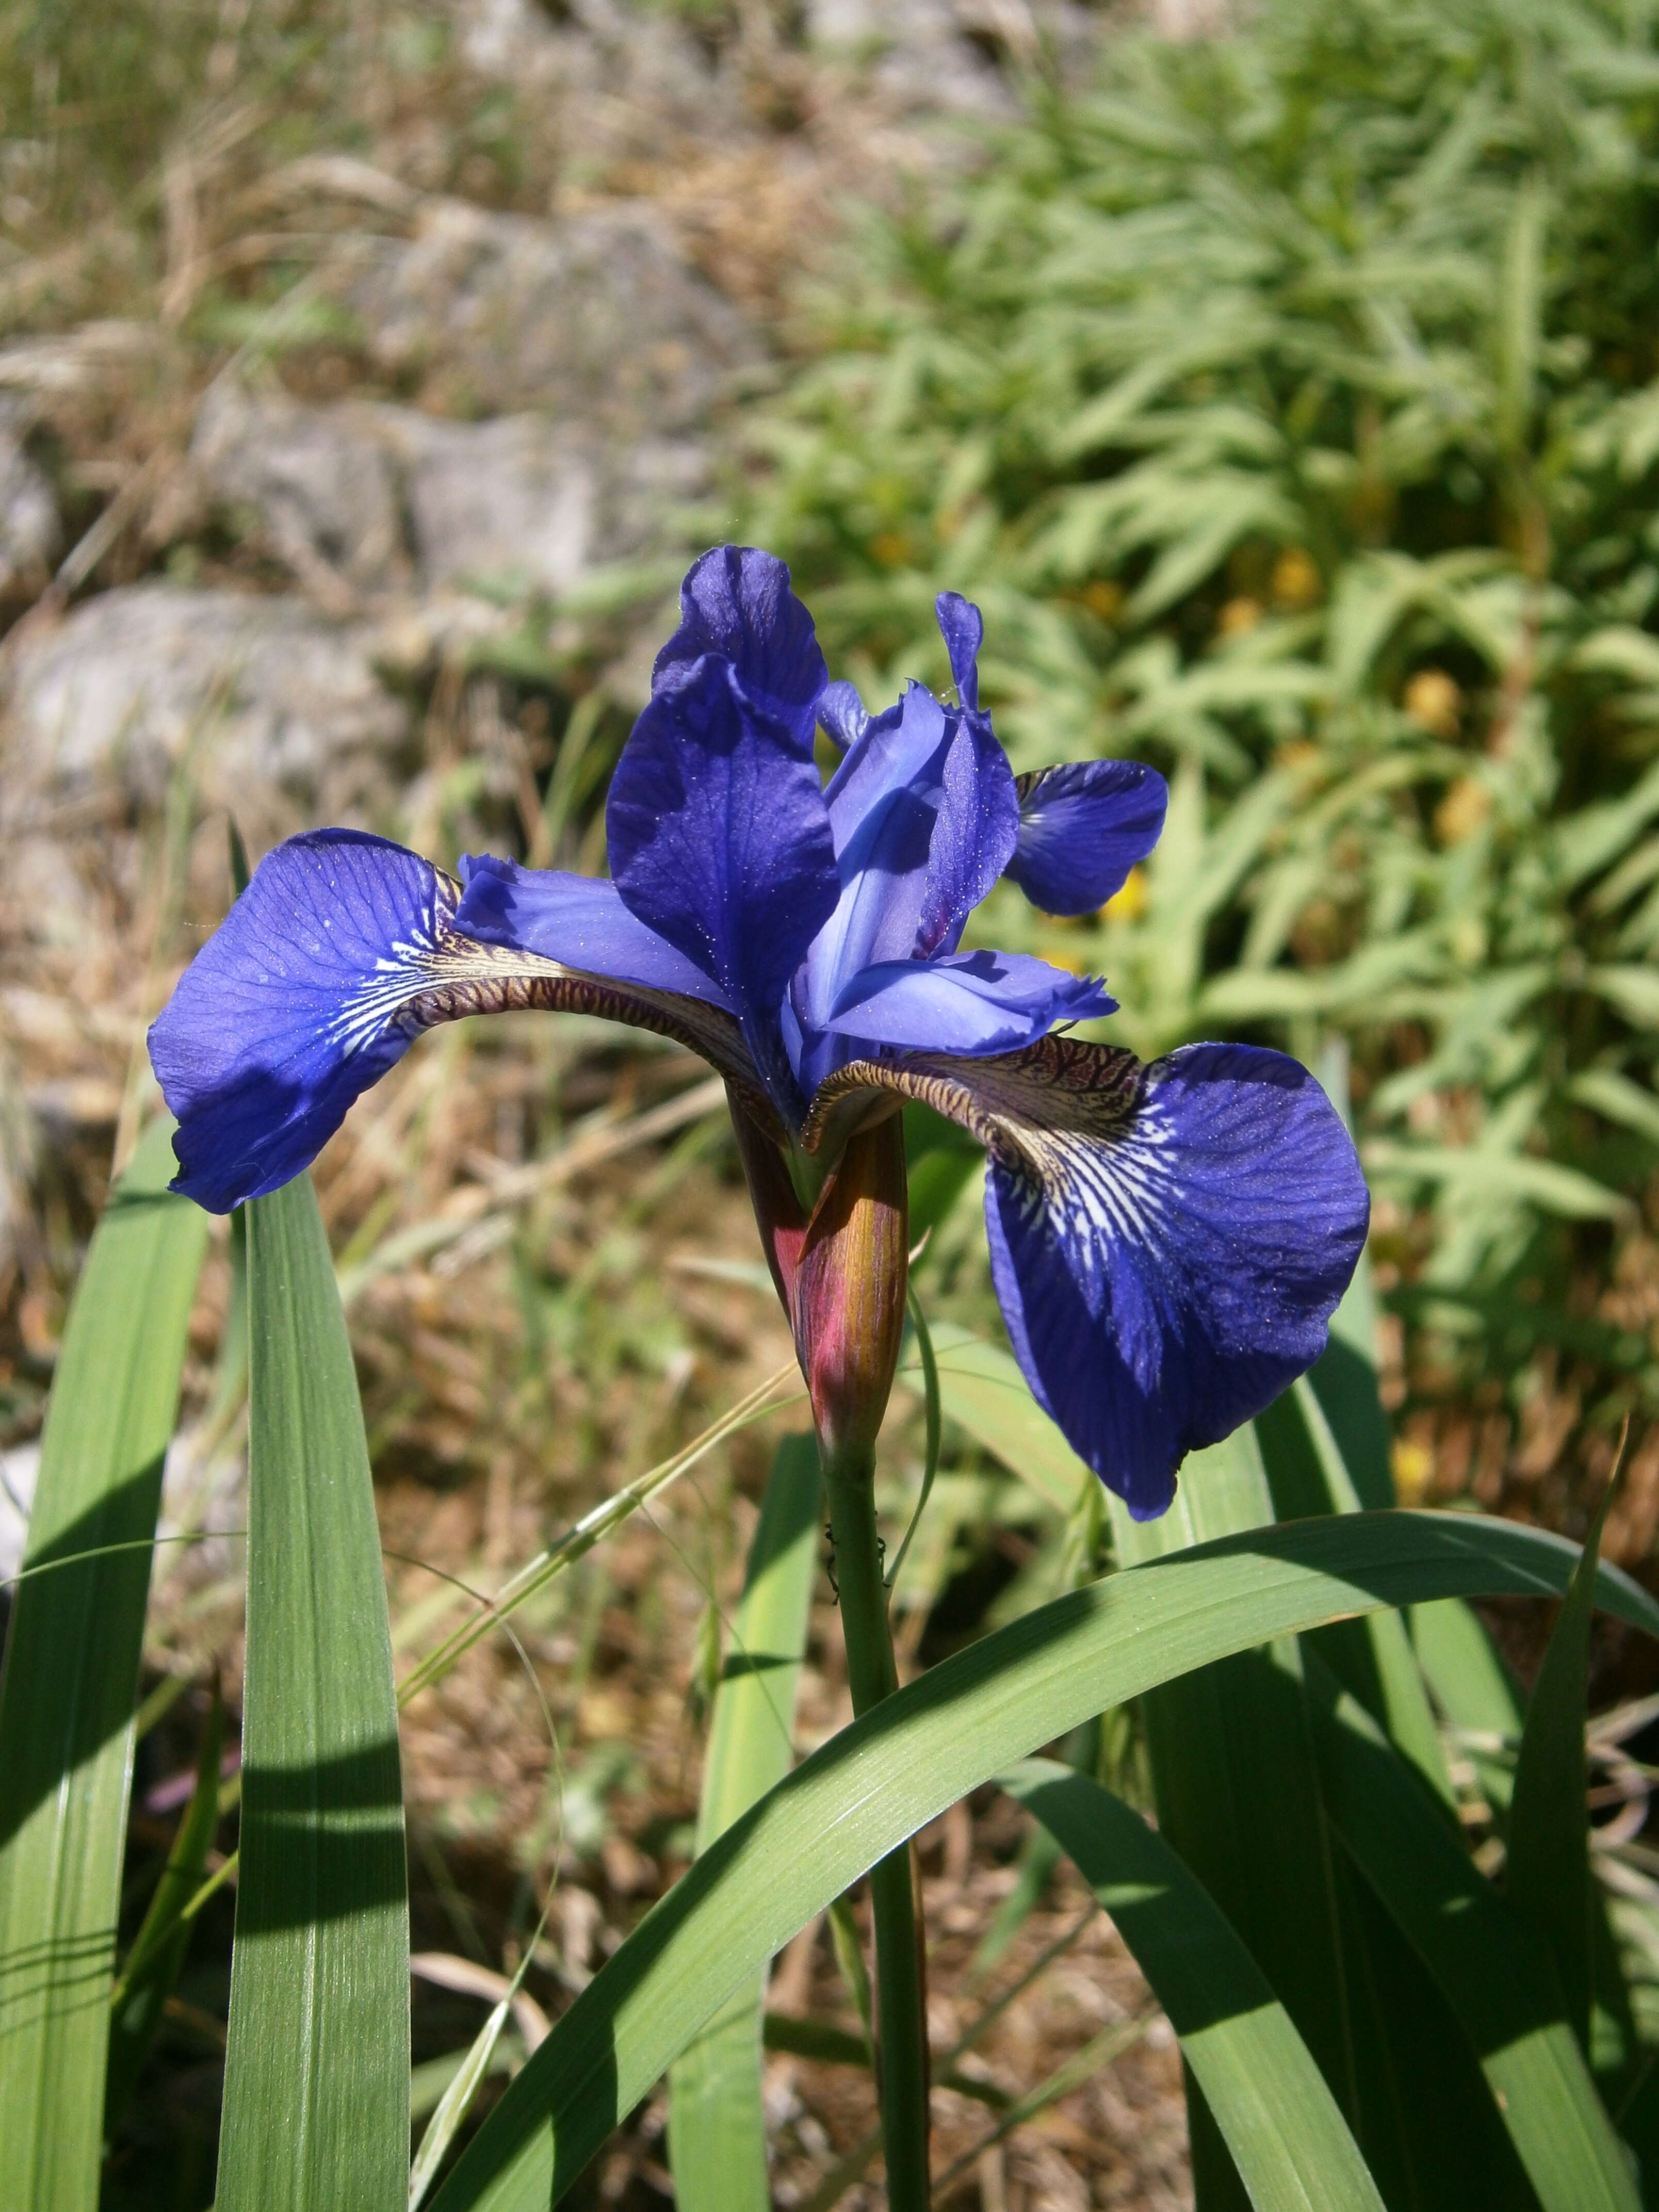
341,951
1168,1241
736,601
964,1002
720,843
842,714
962,627
1082,828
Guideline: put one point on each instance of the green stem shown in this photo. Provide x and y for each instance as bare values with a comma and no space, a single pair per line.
901,1991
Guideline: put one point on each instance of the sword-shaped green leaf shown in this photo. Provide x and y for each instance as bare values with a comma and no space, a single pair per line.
717,2129
71,1672
316,2109
899,1766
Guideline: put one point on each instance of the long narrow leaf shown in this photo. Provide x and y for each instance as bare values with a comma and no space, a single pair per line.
158,1949
1262,1855
71,1672
1546,1877
316,2109
717,2128
1283,2129
1496,1978
888,1774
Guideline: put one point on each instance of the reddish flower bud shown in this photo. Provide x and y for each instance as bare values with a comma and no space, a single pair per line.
848,1306
841,1274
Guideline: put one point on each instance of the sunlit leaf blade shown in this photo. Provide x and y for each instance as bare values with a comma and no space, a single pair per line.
1496,1977
1373,1658
717,2128
316,2107
1546,1874
151,1967
1262,1855
71,1671
888,1774
1284,2130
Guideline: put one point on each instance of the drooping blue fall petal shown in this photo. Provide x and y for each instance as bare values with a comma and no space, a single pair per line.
964,1002
578,921
1168,1241
1082,828
719,843
736,601
341,951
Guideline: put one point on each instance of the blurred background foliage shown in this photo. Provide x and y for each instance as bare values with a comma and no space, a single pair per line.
1290,403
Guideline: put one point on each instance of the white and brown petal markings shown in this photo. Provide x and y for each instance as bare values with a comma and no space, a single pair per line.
451,975
1033,1110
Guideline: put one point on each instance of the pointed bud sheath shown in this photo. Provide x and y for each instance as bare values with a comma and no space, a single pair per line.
849,1311
841,1275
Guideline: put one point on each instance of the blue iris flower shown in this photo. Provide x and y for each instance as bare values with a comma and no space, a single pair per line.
1167,1240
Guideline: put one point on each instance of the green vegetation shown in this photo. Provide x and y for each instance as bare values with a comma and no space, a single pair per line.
1291,404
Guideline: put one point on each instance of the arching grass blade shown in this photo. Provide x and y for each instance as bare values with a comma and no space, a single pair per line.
1284,2130
899,1766
316,2108
717,2128
71,1672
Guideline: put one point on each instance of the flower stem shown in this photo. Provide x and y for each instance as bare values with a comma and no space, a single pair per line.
901,1990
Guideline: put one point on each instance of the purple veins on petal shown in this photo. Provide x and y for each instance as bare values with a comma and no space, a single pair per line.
1168,1241
291,1008
736,601
1164,1280
1082,828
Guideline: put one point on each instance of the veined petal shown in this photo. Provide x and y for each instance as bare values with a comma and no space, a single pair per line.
580,922
963,1002
719,843
341,951
1168,1241
1082,828
736,601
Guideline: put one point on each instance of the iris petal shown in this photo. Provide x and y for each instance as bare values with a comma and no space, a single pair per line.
719,843
963,630
844,714
341,951
736,601
580,922
1168,1241
963,1002
1082,828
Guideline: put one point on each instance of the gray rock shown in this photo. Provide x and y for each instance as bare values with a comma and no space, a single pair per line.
272,703
31,532
597,315
529,505
361,498
324,493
